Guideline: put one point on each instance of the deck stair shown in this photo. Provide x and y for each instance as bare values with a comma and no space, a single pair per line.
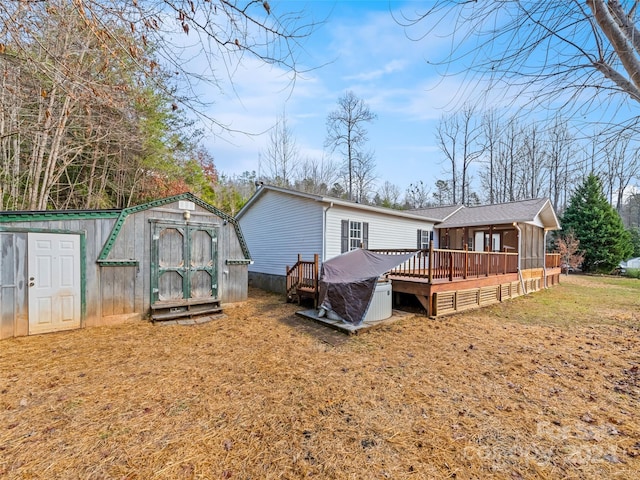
302,280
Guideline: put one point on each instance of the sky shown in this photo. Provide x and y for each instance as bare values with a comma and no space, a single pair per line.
361,48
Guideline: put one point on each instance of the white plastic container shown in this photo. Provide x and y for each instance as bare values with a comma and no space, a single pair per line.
381,303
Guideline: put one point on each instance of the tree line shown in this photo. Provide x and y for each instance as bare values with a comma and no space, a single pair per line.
96,106
484,158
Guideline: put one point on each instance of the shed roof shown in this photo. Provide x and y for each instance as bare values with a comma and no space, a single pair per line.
534,211
120,215
263,189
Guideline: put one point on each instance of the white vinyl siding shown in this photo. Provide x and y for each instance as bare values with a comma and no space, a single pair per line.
278,228
385,231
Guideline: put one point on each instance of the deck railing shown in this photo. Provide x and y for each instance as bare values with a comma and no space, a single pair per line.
437,264
433,264
552,260
303,275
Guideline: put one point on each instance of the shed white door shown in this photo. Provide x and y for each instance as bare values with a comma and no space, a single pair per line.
54,282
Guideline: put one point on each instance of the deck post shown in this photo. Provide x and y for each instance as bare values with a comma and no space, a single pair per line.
504,261
451,266
433,305
488,261
287,280
300,269
316,263
466,260
430,271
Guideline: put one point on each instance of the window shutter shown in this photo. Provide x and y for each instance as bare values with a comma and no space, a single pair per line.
365,235
419,239
344,238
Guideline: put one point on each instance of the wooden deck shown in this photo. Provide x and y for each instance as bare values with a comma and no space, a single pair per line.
447,281
441,298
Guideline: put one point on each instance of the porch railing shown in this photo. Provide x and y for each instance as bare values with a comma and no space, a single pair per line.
552,260
443,264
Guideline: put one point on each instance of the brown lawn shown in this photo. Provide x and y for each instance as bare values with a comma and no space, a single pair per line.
544,386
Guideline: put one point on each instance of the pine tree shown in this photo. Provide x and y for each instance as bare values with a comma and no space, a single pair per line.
598,227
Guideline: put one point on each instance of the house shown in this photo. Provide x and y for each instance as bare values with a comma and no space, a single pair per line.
173,258
281,224
467,256
520,227
483,255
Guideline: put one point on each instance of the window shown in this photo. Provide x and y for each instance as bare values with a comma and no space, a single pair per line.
478,242
424,236
355,235
483,242
495,243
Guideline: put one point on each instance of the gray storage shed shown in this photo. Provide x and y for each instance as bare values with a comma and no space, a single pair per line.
171,258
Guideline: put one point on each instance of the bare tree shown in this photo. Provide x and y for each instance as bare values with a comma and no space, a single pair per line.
621,165
64,94
92,90
447,134
510,158
282,154
317,176
220,32
555,51
459,138
568,246
417,195
491,136
388,195
346,132
364,177
533,162
560,154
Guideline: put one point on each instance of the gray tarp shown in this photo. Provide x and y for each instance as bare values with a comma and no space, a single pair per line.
347,282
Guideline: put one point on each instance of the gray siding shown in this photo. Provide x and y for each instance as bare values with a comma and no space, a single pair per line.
133,285
8,284
278,228
14,305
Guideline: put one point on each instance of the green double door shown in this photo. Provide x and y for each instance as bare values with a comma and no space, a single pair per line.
184,263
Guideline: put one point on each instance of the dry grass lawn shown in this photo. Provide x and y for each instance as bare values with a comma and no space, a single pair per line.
544,386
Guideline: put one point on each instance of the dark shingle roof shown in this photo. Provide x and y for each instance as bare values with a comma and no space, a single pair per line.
439,213
535,210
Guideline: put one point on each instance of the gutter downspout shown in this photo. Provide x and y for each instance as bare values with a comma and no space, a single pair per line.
544,258
324,233
515,224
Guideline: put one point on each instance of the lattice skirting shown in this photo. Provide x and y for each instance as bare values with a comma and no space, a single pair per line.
460,300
